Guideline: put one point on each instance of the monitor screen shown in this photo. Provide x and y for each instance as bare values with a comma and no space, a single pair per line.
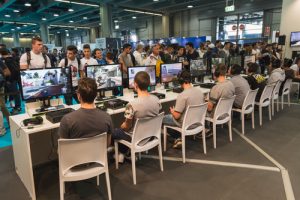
132,71
106,76
295,39
169,72
249,59
42,83
197,67
236,60
216,61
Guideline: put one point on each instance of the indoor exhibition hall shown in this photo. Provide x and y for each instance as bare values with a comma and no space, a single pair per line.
149,99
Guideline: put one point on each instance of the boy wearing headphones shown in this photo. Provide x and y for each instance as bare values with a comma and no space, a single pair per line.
190,96
223,88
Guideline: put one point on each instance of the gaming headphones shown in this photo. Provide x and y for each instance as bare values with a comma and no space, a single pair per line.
184,77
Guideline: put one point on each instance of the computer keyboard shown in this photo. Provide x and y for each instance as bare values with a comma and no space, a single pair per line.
115,104
207,85
105,98
56,116
159,95
177,90
101,106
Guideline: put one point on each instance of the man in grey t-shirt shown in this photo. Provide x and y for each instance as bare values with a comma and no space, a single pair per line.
241,85
87,121
223,89
190,96
125,59
145,106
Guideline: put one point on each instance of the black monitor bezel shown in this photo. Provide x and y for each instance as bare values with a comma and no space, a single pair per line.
138,67
160,76
107,88
46,97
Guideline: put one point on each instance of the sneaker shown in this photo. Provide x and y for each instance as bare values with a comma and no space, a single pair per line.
177,143
110,149
120,157
2,132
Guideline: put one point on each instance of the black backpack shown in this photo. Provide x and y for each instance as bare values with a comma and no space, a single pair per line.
13,67
29,58
67,61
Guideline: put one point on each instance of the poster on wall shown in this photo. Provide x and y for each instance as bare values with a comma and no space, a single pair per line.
100,43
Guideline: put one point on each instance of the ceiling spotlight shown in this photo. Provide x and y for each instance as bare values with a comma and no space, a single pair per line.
190,6
12,29
67,35
71,10
58,32
33,31
25,25
18,27
84,18
44,18
155,0
66,30
27,4
133,17
116,21
55,15
117,27
71,21
6,15
100,24
16,11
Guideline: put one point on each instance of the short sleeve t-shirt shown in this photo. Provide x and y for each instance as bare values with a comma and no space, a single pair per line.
241,86
142,107
73,64
189,97
37,61
221,90
85,62
85,123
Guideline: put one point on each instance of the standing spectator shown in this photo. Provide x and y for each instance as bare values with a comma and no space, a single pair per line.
265,59
181,57
86,60
153,57
126,60
191,53
4,73
109,58
202,50
2,128
140,58
98,55
12,80
15,54
52,58
35,59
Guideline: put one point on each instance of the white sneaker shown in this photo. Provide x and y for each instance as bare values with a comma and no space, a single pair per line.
2,132
121,157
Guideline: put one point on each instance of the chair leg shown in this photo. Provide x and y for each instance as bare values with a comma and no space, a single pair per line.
140,155
270,116
204,140
183,147
260,115
214,135
160,157
165,138
230,130
277,104
289,99
272,107
62,189
282,101
117,154
243,124
253,123
108,184
97,180
133,167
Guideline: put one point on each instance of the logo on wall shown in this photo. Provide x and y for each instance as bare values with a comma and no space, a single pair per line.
242,27
234,27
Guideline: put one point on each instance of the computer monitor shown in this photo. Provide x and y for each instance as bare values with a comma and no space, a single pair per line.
169,72
197,67
235,60
107,76
249,59
132,71
216,61
45,83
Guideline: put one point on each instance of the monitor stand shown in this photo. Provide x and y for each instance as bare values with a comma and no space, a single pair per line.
101,96
167,87
46,106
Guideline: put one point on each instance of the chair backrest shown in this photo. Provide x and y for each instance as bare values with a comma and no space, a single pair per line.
194,114
287,85
223,109
147,127
267,93
249,100
73,152
276,89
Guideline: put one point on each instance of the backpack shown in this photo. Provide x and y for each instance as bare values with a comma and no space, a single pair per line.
13,67
67,61
29,58
133,59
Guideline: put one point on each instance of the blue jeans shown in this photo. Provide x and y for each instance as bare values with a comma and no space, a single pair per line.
170,121
12,87
120,134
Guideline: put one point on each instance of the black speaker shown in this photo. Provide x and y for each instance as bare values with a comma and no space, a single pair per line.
281,39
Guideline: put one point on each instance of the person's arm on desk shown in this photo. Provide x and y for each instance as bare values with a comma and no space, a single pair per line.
129,114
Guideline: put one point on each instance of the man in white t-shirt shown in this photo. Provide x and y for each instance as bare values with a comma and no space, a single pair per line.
74,63
139,58
296,67
87,59
35,59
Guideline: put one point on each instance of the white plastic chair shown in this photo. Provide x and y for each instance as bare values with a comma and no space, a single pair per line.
265,101
247,108
222,115
275,96
193,123
286,92
144,129
81,159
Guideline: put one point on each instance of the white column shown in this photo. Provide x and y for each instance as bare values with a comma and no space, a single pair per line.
44,33
16,39
106,20
165,26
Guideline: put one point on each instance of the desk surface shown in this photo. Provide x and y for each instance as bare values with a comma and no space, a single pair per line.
128,96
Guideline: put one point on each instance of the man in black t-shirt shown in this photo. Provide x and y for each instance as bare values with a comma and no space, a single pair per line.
87,121
191,53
